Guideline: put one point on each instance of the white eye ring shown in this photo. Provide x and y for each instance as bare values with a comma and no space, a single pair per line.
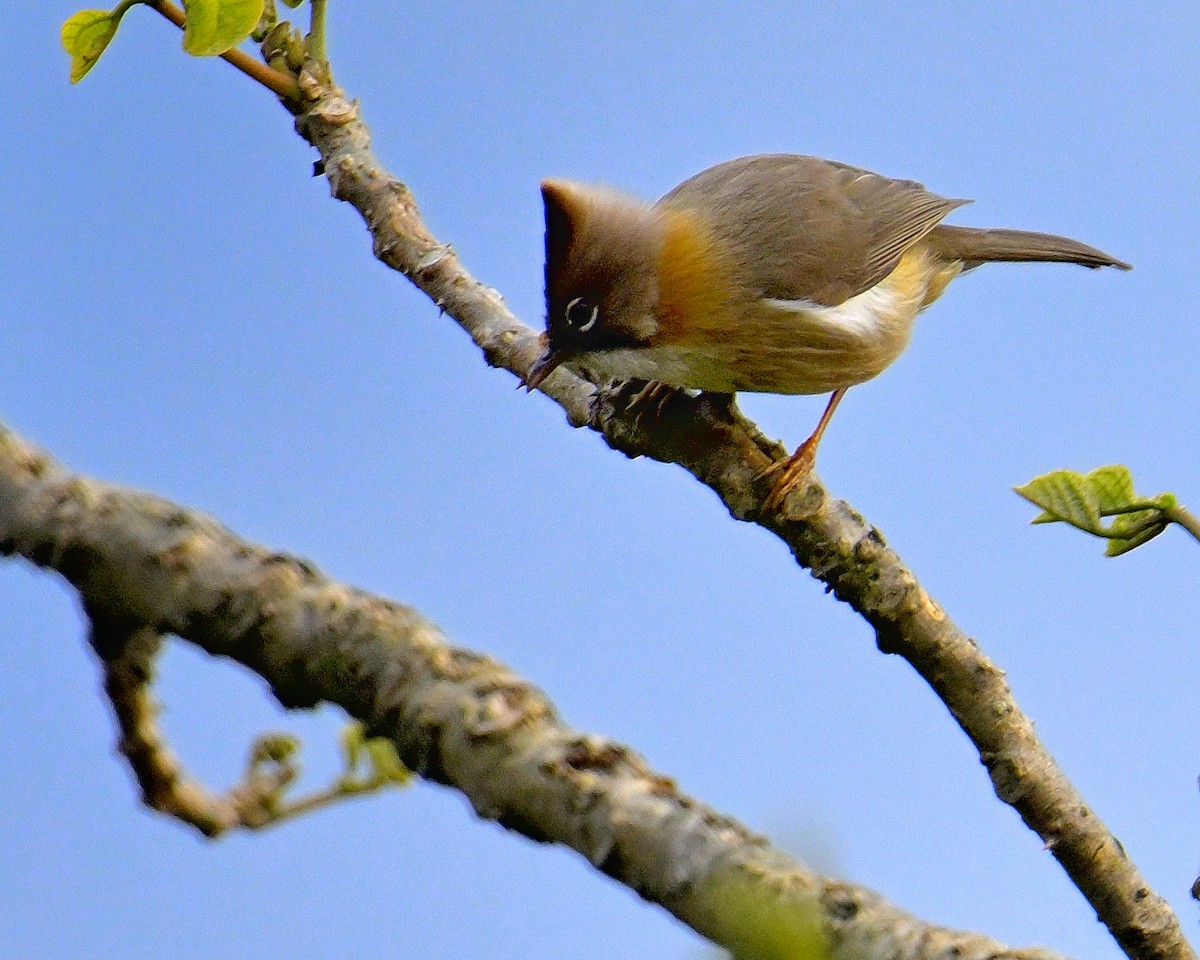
591,320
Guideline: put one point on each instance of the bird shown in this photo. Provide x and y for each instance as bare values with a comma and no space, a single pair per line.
774,273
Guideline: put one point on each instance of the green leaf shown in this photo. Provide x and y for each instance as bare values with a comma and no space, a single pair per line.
386,762
275,748
370,763
1130,530
352,745
1117,546
1107,491
1064,495
214,26
86,35
1112,487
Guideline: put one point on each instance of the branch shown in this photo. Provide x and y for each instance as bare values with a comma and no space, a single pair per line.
145,567
728,454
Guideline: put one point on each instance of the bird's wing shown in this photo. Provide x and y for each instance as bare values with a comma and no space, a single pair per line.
802,228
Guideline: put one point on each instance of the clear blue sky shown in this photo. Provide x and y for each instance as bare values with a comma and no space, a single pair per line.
186,311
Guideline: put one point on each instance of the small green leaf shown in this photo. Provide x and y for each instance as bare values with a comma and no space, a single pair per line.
1130,530
370,763
85,36
214,26
1064,495
1107,491
1117,546
386,761
352,745
1112,487
275,748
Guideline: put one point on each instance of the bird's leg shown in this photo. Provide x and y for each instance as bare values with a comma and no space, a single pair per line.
798,466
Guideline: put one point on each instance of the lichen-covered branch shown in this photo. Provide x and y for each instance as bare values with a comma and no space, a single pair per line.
723,450
145,567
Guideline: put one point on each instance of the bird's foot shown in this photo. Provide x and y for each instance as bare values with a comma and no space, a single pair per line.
648,398
643,400
792,473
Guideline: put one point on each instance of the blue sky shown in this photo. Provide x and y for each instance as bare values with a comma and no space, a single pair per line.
187,311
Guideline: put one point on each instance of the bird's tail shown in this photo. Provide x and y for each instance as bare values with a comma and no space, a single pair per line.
973,246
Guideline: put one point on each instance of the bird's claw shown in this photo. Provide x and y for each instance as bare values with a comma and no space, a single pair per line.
792,473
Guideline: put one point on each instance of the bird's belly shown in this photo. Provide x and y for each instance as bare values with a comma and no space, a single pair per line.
784,367
785,346
803,347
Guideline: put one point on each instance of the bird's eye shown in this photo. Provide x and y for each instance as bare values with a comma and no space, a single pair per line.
581,315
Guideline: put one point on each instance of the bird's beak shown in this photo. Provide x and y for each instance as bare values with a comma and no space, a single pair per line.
544,365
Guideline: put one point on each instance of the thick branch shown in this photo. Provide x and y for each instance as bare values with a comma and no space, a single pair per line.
826,536
144,567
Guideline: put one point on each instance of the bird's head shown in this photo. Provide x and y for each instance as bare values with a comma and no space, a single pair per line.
602,250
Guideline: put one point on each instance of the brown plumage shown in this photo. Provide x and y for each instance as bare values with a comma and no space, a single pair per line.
773,273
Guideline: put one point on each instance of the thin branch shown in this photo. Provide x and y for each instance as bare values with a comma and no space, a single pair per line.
726,452
127,649
144,567
1185,518
280,84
